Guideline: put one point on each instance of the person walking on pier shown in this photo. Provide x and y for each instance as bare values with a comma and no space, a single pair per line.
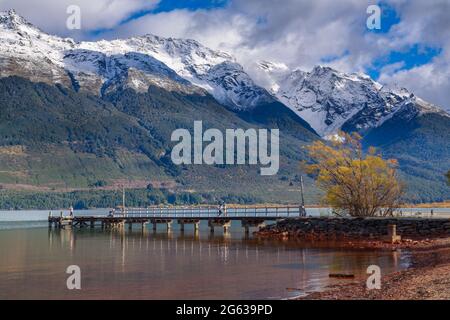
111,213
222,209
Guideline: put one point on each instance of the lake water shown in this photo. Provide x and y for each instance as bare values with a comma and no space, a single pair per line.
143,264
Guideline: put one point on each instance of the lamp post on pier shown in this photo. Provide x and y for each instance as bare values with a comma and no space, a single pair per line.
302,207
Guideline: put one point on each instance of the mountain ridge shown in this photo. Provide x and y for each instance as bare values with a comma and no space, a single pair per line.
158,84
330,100
327,99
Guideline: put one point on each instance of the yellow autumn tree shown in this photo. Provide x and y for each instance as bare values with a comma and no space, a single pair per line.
355,183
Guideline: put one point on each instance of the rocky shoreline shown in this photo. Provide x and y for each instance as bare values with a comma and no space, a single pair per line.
359,229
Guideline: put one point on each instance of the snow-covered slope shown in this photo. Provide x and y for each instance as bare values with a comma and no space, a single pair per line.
327,99
174,64
27,51
330,100
215,71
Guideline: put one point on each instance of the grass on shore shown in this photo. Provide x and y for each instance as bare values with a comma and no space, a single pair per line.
444,204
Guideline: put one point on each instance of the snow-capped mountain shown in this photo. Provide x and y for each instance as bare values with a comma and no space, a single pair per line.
330,100
327,99
138,62
28,52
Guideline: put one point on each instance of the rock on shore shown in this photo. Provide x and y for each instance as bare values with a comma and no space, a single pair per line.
314,228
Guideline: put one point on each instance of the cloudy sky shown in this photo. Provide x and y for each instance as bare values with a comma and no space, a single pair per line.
412,48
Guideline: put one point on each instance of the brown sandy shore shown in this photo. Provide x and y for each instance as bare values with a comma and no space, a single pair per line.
427,278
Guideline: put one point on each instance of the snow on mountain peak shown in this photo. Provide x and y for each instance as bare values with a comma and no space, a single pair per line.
330,100
214,71
273,66
10,20
29,52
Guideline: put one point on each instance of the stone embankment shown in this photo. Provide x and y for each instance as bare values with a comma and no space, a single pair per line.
357,228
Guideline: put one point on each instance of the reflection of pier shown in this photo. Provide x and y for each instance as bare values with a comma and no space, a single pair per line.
250,217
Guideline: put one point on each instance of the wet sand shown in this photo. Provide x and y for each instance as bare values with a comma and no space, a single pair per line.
428,278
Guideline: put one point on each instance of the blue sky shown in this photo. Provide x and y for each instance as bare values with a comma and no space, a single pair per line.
170,5
412,56
389,18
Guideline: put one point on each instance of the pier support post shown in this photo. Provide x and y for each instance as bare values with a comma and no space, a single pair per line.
196,226
144,228
392,234
169,226
186,221
252,223
224,223
155,226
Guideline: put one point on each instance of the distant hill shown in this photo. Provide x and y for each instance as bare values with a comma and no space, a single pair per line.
420,142
55,138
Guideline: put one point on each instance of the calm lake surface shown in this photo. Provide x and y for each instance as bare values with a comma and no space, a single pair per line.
143,264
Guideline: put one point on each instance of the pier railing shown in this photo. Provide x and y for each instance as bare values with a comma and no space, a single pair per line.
213,212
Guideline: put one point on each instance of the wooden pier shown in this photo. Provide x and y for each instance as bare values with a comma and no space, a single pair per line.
250,217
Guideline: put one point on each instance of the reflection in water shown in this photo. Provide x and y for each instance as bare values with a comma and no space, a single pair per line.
143,263
61,238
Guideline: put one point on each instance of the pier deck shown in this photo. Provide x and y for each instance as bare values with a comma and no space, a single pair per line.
249,217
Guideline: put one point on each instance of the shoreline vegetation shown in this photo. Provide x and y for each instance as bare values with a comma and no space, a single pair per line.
81,200
145,197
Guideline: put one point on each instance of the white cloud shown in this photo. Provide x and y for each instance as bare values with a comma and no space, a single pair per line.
298,33
427,23
430,81
51,15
